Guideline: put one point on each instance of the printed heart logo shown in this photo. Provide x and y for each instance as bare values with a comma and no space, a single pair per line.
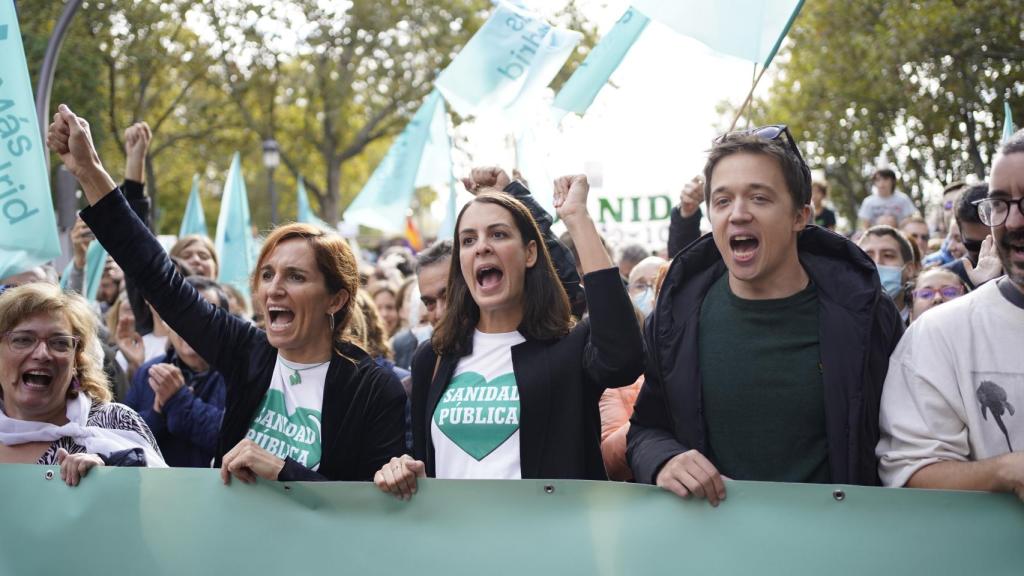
477,414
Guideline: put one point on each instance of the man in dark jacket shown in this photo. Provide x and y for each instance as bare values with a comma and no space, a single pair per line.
770,340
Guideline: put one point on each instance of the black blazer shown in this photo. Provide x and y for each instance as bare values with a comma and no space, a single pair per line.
560,383
364,405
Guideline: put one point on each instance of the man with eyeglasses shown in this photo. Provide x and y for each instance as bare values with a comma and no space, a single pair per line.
951,412
769,342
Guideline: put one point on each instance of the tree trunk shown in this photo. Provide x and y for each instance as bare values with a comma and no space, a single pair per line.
972,144
329,207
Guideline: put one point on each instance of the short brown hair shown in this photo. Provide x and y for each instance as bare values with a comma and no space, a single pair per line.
333,258
820,185
27,300
794,172
907,251
546,313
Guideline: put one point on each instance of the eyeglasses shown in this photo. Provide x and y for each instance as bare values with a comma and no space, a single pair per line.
948,292
21,342
995,211
638,287
778,133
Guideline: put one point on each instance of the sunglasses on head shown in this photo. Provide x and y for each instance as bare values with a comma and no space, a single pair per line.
778,133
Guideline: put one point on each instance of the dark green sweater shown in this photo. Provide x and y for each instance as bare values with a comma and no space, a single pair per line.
763,394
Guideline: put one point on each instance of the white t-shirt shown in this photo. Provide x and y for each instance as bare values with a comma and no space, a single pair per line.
955,387
874,206
287,422
475,427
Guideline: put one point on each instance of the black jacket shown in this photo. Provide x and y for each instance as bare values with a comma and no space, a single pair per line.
859,328
559,381
682,231
363,409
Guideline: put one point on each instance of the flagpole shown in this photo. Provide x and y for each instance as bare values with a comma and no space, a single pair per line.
746,102
768,61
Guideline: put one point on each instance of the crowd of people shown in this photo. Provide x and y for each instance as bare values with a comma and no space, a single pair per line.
772,348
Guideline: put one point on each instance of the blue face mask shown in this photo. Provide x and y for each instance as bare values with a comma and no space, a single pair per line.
892,279
644,301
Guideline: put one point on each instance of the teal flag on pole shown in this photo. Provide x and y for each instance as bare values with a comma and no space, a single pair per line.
384,200
28,228
234,240
185,521
194,221
748,29
507,64
1008,127
436,168
579,91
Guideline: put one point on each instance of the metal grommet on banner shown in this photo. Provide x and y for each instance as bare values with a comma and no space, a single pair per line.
48,475
549,489
839,495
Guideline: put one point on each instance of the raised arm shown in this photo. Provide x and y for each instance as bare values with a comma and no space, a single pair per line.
136,145
614,354
216,335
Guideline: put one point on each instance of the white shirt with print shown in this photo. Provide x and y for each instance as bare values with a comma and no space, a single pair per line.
287,422
955,386
475,426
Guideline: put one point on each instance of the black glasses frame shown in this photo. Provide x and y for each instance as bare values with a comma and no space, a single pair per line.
986,206
778,133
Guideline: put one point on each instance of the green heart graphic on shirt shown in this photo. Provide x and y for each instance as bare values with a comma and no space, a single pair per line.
478,415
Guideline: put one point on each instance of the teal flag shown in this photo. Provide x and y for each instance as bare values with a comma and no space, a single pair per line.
1008,127
748,29
507,64
436,168
28,228
194,221
384,200
579,91
95,261
234,241
185,521
304,213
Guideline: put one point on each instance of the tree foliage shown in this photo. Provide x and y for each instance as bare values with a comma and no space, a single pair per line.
332,82
920,82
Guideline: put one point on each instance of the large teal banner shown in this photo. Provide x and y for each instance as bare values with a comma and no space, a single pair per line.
28,229
177,521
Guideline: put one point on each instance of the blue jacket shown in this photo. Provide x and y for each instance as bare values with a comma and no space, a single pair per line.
188,428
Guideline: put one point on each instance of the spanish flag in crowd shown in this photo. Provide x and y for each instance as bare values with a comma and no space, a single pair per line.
412,234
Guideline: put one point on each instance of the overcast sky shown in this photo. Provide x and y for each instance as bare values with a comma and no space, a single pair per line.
648,129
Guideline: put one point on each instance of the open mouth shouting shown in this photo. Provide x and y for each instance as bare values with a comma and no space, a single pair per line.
744,247
280,318
488,278
37,379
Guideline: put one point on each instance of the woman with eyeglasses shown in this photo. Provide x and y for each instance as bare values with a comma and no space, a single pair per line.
933,287
55,403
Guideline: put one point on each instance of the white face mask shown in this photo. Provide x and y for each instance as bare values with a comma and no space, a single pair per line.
644,301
